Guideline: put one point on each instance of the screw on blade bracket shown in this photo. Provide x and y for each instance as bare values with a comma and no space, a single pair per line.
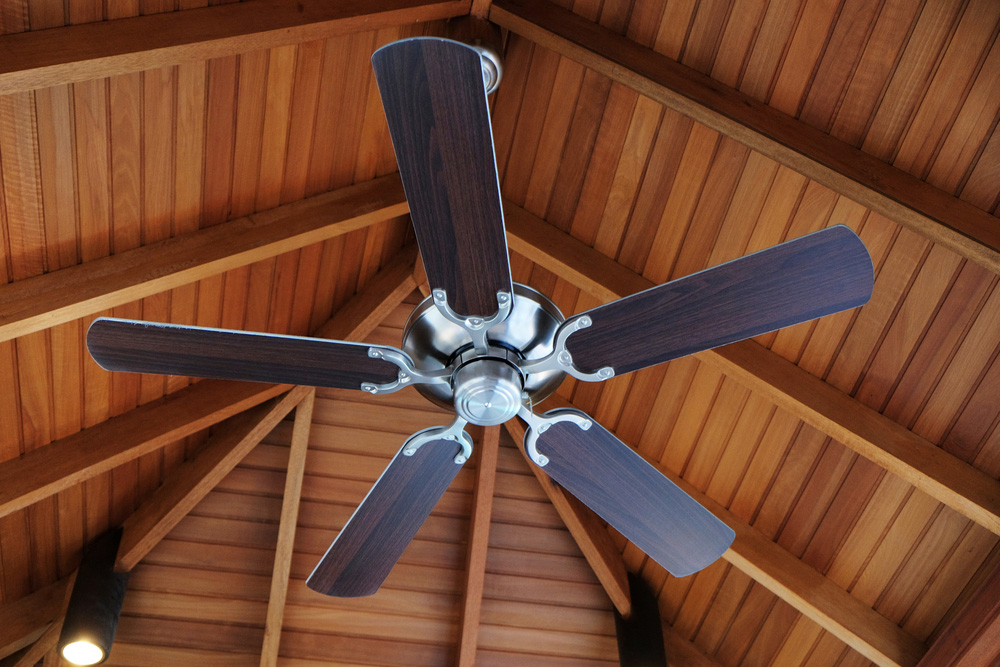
477,327
561,359
454,432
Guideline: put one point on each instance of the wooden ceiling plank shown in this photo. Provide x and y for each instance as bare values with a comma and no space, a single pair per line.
383,293
23,621
61,296
934,471
44,58
73,459
587,530
286,529
972,637
801,586
479,537
902,197
186,486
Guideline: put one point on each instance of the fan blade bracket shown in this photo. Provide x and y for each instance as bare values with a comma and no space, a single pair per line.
408,372
455,432
562,360
477,327
539,424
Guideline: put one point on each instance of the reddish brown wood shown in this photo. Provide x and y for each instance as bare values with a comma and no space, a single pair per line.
971,638
376,535
147,347
435,104
800,280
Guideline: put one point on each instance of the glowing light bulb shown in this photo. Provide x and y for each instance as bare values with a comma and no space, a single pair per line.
83,653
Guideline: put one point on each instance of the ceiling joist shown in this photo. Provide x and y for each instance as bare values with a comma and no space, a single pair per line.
934,471
67,462
22,622
43,58
61,296
942,218
186,486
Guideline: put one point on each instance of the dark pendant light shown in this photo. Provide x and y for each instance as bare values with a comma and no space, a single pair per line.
95,604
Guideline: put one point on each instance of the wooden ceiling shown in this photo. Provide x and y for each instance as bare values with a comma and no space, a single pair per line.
229,165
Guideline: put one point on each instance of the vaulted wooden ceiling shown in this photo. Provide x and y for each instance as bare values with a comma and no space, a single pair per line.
229,165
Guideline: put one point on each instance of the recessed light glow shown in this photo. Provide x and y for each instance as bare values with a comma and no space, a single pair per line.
83,653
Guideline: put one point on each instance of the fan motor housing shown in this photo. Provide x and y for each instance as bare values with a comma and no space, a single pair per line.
486,389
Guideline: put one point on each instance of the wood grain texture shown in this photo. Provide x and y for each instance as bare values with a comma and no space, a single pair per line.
633,497
380,529
479,538
147,347
186,486
590,534
435,104
22,621
955,224
815,275
286,529
84,289
40,59
83,455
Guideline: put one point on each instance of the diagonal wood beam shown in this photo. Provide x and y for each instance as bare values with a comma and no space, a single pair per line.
86,51
804,588
386,290
479,538
47,643
22,622
934,471
66,462
286,529
186,486
67,294
942,218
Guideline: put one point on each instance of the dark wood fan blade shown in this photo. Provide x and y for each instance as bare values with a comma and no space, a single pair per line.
378,532
815,275
150,347
435,103
633,496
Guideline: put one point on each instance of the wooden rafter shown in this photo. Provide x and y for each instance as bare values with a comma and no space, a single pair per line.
479,537
22,622
942,218
286,529
66,462
897,449
65,295
47,642
186,486
44,58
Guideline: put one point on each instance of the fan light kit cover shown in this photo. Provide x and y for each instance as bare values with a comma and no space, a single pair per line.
491,349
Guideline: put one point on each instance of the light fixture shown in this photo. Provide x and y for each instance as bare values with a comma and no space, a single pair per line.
96,603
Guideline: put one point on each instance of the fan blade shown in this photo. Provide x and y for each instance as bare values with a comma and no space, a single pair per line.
435,103
382,526
815,275
150,347
631,495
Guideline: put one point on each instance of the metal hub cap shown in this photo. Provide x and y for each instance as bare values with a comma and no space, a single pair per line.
487,391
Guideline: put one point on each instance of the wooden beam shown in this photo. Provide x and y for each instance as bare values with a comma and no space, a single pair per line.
479,538
942,218
44,58
855,623
286,529
47,643
186,486
381,295
587,530
953,482
23,621
972,638
66,462
61,296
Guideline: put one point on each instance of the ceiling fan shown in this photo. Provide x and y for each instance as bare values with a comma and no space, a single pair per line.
492,349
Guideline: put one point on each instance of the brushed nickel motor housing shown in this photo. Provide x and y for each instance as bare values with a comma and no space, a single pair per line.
435,343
